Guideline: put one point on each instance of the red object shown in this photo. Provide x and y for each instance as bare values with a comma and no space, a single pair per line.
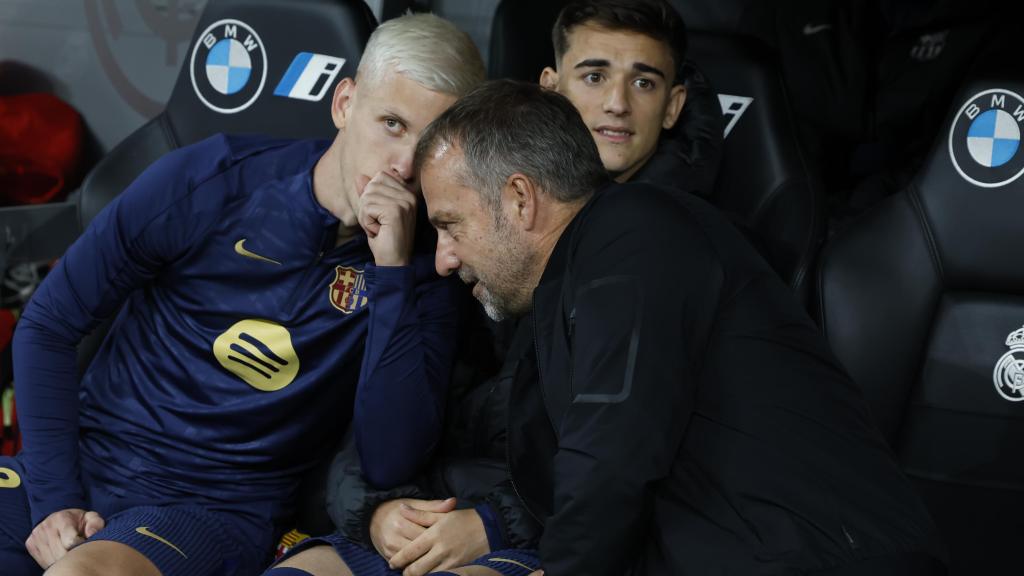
40,148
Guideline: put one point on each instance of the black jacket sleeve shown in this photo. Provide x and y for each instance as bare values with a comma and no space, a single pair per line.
636,302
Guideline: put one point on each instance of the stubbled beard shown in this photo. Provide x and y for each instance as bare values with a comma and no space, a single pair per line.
493,306
510,264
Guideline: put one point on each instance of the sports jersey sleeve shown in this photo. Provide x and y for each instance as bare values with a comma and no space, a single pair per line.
153,222
410,348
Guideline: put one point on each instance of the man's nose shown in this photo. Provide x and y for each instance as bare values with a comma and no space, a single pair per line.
401,165
617,100
445,260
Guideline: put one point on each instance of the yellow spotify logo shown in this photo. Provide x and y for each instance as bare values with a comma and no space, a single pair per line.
259,352
9,478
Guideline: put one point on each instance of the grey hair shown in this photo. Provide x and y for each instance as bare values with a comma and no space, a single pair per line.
424,48
505,127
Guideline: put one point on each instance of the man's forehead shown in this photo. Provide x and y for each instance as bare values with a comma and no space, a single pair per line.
439,176
593,42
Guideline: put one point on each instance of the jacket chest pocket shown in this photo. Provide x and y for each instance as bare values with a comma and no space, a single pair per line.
603,338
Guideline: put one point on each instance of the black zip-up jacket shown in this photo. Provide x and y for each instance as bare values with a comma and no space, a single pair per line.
684,416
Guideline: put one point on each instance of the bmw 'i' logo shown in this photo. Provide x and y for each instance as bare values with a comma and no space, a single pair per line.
984,143
228,66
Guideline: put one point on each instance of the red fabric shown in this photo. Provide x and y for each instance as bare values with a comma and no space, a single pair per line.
40,148
10,437
7,321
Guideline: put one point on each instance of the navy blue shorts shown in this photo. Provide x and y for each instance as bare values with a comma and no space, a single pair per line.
181,540
363,562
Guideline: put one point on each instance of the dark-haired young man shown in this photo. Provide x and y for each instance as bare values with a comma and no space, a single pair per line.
619,63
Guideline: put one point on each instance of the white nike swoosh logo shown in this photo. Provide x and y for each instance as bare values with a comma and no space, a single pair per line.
811,30
240,249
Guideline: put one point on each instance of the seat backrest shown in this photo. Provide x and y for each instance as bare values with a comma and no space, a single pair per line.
763,178
520,41
256,66
922,299
253,66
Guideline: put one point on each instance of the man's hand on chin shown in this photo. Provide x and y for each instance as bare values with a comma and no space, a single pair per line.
387,212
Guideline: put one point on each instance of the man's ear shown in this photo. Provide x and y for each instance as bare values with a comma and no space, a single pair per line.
549,78
341,102
676,101
520,202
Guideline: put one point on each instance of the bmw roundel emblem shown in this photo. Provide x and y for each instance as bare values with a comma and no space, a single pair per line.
984,143
228,66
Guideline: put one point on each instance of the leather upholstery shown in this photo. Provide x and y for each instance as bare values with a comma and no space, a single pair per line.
338,28
918,298
763,178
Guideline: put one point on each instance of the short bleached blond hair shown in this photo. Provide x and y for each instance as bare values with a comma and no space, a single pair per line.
426,49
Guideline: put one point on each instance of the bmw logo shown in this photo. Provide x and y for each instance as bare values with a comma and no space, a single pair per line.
228,66
984,143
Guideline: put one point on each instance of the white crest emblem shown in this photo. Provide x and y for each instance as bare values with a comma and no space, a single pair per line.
1008,375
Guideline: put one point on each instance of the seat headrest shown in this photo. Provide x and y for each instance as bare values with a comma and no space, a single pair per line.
763,178
267,66
972,188
520,41
760,142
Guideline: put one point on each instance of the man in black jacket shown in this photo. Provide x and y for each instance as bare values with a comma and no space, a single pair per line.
680,413
619,62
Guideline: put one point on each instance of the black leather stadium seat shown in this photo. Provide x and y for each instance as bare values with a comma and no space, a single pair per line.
763,178
922,299
278,49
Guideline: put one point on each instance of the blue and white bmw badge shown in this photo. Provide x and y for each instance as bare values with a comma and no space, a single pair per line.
984,143
228,66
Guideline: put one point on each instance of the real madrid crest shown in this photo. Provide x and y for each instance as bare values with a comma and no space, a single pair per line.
348,289
984,142
228,66
1008,375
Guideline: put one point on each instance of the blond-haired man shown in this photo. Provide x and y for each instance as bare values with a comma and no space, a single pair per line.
272,292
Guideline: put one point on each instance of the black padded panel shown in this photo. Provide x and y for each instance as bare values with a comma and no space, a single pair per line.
959,426
763,177
115,171
876,304
520,43
712,15
976,227
923,301
335,28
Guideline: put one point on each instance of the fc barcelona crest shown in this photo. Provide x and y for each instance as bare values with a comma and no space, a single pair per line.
348,290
